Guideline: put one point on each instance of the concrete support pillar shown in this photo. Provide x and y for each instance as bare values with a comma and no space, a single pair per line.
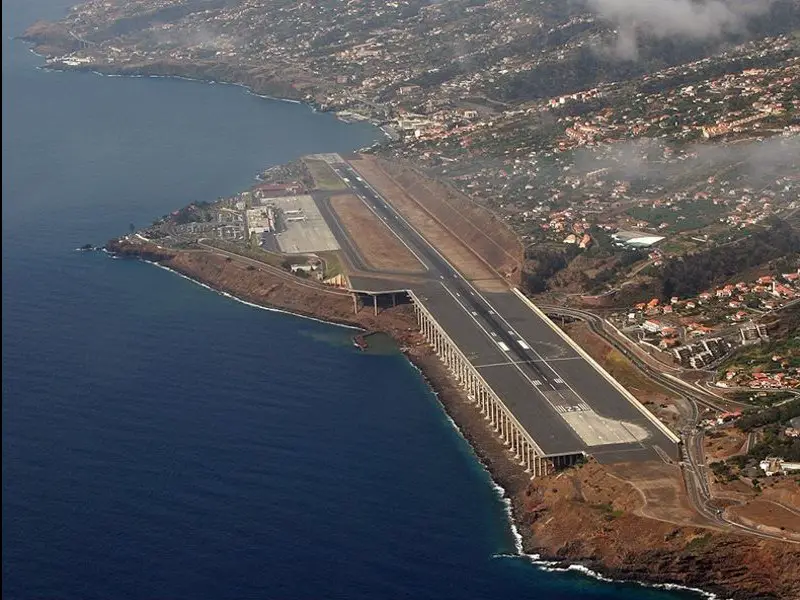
375,303
355,304
527,457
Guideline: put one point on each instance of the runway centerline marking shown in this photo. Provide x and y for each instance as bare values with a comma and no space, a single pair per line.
523,362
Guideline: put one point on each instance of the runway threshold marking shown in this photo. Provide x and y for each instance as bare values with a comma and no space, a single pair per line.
523,362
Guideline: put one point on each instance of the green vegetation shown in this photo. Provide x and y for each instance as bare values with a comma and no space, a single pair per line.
723,471
760,356
257,253
323,176
698,543
776,444
778,415
608,510
692,274
687,216
197,212
761,399
333,263
543,262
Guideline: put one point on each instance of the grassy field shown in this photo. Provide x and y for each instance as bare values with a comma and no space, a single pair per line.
323,176
333,263
271,258
692,215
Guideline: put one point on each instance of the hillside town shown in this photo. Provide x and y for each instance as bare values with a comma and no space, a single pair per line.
616,167
702,331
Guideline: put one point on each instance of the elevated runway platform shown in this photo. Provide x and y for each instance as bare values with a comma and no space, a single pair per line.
551,388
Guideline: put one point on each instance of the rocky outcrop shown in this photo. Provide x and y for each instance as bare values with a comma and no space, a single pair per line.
50,39
126,248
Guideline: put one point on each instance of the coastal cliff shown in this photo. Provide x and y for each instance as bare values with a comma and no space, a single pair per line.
591,515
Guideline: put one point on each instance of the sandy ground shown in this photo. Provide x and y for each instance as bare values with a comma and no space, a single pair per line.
455,251
774,505
660,489
475,226
768,513
377,245
723,443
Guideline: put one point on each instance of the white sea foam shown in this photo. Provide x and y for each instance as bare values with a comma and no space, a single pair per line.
555,566
499,490
232,297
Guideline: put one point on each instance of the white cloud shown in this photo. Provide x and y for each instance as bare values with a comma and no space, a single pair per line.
687,19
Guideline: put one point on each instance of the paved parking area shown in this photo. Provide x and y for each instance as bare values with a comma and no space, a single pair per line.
306,230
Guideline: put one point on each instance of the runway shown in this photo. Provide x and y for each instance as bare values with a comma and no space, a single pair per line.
563,402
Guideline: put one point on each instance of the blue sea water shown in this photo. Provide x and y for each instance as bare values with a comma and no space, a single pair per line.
162,441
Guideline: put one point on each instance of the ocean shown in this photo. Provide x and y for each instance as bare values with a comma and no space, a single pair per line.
163,441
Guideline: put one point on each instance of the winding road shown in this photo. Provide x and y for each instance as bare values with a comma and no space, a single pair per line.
693,463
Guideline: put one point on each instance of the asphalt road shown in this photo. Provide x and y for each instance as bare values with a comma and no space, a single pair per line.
563,402
693,461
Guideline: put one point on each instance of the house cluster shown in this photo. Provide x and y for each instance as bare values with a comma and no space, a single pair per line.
737,302
781,374
698,331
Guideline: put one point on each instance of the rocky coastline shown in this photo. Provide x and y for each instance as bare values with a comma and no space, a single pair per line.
564,518
561,519
51,41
